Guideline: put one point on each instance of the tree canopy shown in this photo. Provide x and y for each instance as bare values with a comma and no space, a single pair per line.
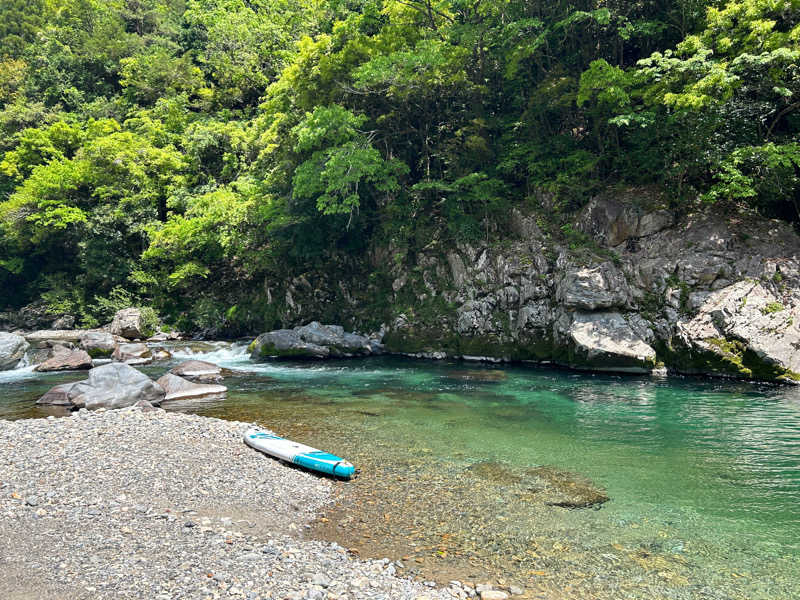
177,151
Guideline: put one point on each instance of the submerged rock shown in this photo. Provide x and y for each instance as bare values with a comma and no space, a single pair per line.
66,359
133,354
198,371
178,388
567,490
544,485
312,341
115,385
12,349
495,472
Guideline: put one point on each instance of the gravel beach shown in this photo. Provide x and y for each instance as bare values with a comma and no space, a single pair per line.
159,505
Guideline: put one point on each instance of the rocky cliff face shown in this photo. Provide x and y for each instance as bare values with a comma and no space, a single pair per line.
621,289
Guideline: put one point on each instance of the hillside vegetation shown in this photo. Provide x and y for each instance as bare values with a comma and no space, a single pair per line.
180,153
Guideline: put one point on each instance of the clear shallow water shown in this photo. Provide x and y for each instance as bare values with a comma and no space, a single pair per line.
703,475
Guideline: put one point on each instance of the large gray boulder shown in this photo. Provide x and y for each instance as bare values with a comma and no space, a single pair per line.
198,371
99,344
66,359
132,354
12,349
178,388
129,323
338,341
607,342
115,385
285,343
742,330
313,341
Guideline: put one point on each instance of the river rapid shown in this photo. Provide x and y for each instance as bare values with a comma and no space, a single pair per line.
459,463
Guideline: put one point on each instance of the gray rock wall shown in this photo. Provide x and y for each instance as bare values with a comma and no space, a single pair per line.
623,289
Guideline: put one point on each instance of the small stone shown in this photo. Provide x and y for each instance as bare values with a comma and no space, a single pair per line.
32,501
515,590
360,582
493,595
321,580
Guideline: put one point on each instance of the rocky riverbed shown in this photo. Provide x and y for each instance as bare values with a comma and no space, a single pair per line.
140,503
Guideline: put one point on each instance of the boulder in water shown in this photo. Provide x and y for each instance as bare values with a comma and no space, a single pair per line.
161,354
314,340
198,371
12,349
285,343
66,359
132,354
115,385
178,388
99,344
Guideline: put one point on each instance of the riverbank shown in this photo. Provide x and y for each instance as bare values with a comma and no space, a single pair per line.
151,504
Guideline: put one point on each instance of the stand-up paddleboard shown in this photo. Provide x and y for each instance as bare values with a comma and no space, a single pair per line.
299,454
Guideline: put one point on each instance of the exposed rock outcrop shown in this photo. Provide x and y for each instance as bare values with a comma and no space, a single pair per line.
628,285
593,288
178,388
37,315
744,330
313,341
115,385
12,350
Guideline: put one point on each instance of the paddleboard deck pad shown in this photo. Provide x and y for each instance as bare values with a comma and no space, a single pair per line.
298,454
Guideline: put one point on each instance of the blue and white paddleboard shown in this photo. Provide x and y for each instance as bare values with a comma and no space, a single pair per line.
299,454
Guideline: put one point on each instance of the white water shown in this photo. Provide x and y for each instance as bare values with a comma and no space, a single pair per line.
223,354
19,374
236,357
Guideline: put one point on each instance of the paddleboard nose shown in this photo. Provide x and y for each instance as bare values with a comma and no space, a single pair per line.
344,470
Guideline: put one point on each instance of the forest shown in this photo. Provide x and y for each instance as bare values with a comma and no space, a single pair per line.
178,153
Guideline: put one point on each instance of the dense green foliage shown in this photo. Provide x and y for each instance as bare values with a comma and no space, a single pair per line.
179,152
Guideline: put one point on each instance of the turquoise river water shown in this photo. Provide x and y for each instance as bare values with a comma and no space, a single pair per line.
702,475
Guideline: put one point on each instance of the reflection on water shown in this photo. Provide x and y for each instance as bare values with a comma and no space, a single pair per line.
703,475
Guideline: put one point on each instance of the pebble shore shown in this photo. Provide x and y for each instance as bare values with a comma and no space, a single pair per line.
150,504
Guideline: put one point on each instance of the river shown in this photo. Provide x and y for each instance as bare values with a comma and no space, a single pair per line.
460,463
